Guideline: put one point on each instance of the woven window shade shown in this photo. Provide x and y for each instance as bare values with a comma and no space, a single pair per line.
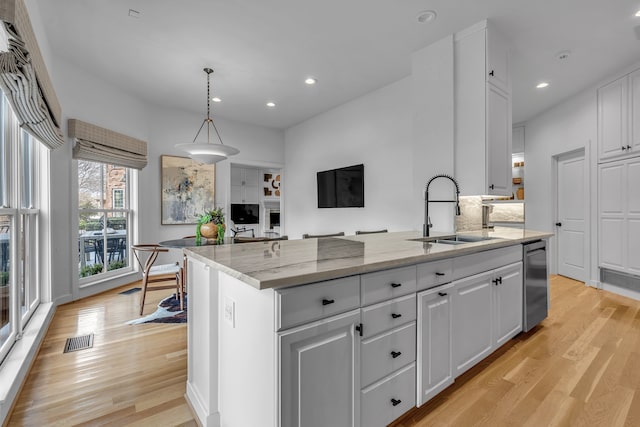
24,77
106,146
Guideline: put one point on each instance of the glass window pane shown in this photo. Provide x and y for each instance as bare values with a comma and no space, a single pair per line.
116,183
27,170
5,278
4,156
90,179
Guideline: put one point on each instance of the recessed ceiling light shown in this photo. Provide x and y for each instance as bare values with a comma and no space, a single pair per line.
638,13
271,104
310,81
426,16
542,85
216,99
134,13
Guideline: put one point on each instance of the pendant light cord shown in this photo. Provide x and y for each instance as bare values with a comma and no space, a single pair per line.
208,120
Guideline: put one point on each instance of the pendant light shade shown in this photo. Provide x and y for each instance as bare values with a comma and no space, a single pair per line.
209,152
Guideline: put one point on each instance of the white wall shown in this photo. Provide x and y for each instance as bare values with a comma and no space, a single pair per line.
567,127
374,130
96,101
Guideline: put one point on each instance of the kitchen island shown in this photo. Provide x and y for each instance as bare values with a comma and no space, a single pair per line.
349,331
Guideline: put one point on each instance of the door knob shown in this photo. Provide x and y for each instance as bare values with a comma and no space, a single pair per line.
558,224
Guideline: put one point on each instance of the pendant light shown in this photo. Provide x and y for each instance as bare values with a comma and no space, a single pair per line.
209,152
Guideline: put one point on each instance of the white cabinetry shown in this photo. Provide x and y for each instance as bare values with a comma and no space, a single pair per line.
244,185
320,373
619,117
434,342
619,208
482,112
507,299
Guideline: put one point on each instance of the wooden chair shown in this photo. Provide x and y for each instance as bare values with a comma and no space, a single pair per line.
371,232
146,255
312,236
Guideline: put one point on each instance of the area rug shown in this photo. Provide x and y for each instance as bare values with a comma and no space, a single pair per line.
168,312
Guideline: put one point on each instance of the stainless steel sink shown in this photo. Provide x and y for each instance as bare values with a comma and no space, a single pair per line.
455,240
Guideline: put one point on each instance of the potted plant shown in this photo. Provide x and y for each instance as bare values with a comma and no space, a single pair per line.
209,223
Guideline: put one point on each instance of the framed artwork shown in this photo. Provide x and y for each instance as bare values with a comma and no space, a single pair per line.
188,189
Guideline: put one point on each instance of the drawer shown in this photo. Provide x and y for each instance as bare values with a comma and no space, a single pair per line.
388,315
388,284
386,353
301,304
468,265
388,399
436,273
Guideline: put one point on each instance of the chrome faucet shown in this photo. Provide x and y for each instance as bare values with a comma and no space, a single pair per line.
427,219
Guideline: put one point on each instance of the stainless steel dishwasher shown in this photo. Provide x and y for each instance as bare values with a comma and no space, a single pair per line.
535,284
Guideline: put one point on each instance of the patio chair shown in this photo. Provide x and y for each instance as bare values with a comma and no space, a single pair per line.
146,255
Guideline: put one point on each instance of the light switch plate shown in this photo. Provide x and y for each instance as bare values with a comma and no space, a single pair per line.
230,311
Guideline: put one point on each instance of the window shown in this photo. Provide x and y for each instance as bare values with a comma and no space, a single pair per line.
19,218
104,218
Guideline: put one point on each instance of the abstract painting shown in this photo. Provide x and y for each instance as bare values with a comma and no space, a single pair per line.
188,189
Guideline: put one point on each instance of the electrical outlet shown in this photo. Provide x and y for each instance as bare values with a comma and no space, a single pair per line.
230,311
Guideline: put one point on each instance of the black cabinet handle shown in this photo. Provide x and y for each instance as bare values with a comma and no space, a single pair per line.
396,402
491,187
395,354
624,148
500,280
439,274
396,315
491,73
443,294
495,282
396,285
628,147
558,224
328,301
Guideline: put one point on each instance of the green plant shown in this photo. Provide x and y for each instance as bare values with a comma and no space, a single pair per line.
215,216
116,265
4,278
90,270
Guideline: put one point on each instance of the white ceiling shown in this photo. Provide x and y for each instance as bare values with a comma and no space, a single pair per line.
262,50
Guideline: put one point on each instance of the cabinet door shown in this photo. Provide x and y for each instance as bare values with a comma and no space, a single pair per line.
434,342
472,321
612,215
612,119
498,142
320,373
507,291
497,60
634,111
633,215
250,184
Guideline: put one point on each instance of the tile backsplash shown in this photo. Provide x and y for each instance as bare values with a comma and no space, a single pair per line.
471,213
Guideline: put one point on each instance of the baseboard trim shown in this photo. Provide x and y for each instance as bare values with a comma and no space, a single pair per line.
620,291
17,365
202,416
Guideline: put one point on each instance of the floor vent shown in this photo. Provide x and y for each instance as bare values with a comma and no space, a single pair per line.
78,343
130,291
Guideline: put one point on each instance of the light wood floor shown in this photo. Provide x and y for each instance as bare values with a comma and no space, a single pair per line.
580,368
134,374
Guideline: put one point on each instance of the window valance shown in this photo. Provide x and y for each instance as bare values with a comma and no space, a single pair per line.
106,146
24,77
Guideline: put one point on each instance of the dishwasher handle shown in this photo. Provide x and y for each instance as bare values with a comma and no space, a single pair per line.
535,251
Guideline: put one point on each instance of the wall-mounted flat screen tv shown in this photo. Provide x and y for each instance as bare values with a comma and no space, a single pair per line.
341,188
245,213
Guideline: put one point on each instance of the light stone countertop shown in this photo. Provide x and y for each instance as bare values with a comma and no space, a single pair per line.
282,263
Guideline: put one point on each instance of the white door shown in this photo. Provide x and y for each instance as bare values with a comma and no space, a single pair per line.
570,225
320,374
507,289
498,142
612,216
472,321
434,342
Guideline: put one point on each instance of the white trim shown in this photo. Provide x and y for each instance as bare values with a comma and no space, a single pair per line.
15,367
620,291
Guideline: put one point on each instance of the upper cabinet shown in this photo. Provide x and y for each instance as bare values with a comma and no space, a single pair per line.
482,100
619,118
244,185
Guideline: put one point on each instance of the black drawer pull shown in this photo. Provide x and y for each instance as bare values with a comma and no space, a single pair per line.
443,294
395,354
328,301
396,285
439,274
396,315
396,402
